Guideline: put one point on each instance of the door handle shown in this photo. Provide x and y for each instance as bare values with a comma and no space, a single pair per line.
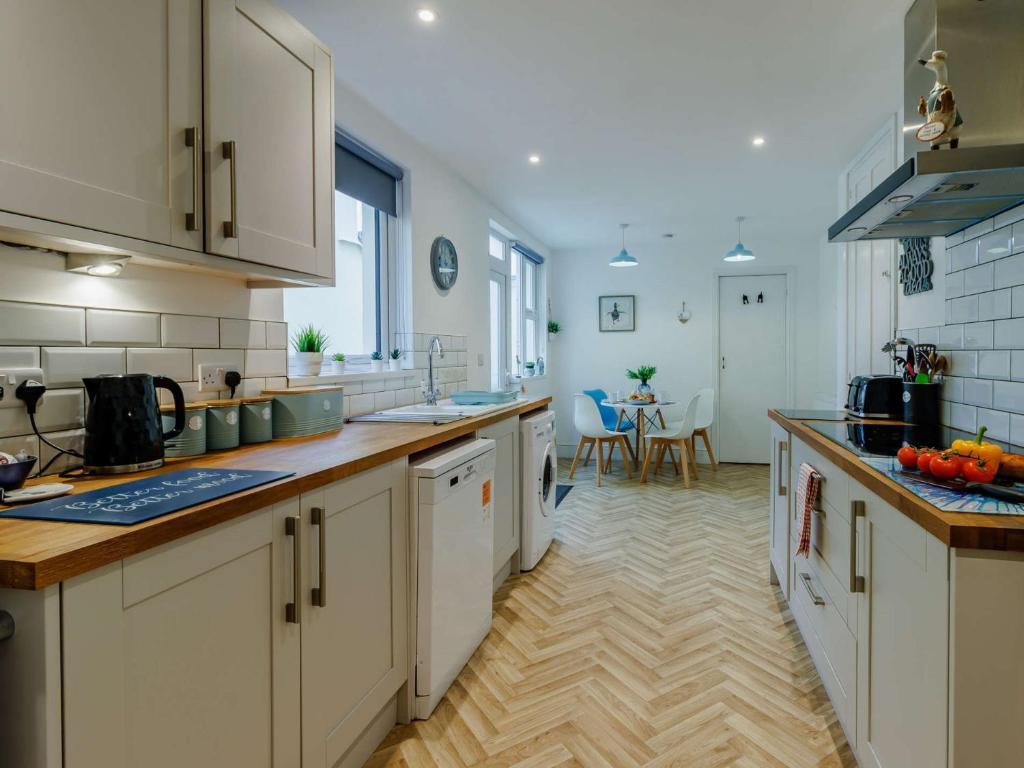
780,489
230,153
192,140
723,363
815,597
856,582
293,610
318,517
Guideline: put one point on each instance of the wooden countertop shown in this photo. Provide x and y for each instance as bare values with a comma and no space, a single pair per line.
957,529
35,554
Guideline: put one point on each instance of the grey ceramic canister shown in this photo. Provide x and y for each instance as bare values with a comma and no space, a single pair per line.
256,423
222,429
192,440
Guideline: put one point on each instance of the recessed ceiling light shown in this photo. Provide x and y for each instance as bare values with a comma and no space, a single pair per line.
758,141
426,15
534,159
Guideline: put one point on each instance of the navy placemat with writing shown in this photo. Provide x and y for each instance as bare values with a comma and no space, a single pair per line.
141,500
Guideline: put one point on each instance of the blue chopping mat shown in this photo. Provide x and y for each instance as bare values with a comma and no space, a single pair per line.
141,500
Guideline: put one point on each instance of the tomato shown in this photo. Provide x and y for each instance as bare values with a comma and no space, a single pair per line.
907,456
924,458
945,466
980,470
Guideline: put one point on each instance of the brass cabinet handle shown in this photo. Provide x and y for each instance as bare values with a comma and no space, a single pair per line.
815,597
293,610
318,517
856,582
192,140
780,489
230,153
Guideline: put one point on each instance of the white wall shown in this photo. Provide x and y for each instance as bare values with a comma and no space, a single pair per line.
671,271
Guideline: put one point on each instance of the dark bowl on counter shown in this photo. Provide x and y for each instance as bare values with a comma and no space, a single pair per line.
14,475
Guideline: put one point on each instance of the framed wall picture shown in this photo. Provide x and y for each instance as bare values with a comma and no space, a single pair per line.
616,313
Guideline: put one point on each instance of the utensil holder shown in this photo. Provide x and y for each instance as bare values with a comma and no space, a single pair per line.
921,403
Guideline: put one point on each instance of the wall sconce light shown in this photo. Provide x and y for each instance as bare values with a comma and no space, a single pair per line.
96,264
684,314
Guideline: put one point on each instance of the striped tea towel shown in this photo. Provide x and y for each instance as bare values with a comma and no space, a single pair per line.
807,488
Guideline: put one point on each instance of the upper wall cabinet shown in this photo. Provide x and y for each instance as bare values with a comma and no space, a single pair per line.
97,108
270,128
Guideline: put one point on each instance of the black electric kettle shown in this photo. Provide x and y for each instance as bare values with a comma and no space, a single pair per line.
123,428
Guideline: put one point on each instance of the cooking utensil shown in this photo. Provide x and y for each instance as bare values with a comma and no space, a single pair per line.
1003,492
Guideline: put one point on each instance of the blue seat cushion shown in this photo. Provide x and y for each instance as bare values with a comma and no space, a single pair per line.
608,414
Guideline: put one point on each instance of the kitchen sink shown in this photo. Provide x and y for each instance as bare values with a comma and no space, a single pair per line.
422,413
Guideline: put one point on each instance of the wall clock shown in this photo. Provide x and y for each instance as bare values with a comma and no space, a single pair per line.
444,262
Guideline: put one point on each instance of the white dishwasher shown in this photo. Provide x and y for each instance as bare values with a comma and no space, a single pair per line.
450,493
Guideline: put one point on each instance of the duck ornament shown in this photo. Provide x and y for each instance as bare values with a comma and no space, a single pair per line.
939,107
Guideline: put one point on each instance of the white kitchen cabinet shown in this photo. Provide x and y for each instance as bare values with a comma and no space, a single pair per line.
355,641
780,500
183,655
505,434
902,644
269,114
97,100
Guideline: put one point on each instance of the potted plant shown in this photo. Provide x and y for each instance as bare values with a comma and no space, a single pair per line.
338,358
643,374
395,359
529,368
377,362
554,328
309,343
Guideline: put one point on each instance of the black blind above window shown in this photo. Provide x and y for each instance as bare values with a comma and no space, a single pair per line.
361,173
528,252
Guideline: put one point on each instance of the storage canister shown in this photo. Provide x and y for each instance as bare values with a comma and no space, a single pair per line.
222,424
256,419
192,440
306,411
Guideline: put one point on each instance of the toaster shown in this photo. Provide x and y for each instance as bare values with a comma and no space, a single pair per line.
875,397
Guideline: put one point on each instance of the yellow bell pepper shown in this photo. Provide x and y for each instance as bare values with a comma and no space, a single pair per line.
978,449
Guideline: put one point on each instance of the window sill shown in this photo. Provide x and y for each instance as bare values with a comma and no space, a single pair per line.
348,376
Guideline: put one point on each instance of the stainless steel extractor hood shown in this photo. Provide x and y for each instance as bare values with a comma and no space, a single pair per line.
940,192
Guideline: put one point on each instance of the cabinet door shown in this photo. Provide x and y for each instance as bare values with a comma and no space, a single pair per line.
780,500
902,642
94,109
269,110
183,656
506,489
354,636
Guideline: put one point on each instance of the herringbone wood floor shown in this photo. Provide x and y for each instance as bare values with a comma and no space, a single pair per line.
648,636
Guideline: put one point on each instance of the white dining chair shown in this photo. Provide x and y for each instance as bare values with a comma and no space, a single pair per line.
702,423
588,422
679,434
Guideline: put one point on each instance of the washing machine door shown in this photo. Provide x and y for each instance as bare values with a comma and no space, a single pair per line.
548,480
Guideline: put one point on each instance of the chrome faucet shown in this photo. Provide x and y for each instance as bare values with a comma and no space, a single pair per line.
430,393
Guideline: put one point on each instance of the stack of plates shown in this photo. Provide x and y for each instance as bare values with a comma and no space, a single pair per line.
306,411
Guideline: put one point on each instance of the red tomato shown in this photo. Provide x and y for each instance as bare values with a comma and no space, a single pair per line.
945,466
980,470
924,458
907,456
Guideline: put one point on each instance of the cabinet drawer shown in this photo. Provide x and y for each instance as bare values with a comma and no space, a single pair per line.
835,486
831,644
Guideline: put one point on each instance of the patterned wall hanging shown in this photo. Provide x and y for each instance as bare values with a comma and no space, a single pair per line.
916,265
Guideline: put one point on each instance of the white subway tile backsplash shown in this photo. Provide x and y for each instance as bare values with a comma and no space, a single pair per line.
1008,396
174,363
1009,272
978,392
1017,301
243,334
111,328
383,400
277,335
59,409
978,279
994,364
963,256
995,305
951,337
266,362
964,364
1009,334
360,405
68,440
1017,366
962,310
19,357
955,285
27,443
978,335
963,417
1010,216
67,366
1016,429
189,331
997,422
953,389
996,245
27,324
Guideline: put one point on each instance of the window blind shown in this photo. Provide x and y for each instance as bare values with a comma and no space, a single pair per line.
528,252
367,176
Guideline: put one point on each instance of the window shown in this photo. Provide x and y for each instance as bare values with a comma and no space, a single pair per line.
516,322
357,313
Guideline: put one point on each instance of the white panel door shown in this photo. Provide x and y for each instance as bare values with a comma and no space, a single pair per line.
270,138
753,355
96,101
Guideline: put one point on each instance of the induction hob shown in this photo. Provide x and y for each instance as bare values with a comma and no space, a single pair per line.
867,439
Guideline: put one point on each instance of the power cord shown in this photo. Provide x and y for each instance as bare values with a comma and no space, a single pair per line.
31,392
232,379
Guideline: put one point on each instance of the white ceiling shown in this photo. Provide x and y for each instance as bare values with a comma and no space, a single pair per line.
643,111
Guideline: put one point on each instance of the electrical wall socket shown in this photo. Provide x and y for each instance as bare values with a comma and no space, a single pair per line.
10,378
211,376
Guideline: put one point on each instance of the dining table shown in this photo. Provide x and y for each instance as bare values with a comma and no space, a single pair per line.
644,414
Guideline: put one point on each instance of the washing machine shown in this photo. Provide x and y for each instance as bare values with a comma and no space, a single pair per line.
540,475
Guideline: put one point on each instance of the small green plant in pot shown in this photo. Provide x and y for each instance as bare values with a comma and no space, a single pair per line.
338,358
377,361
554,328
530,368
395,359
309,343
643,374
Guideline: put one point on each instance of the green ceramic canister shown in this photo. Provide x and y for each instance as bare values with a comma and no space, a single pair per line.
256,423
306,411
192,440
222,424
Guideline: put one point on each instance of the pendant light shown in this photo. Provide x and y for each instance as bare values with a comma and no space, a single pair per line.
740,252
623,259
